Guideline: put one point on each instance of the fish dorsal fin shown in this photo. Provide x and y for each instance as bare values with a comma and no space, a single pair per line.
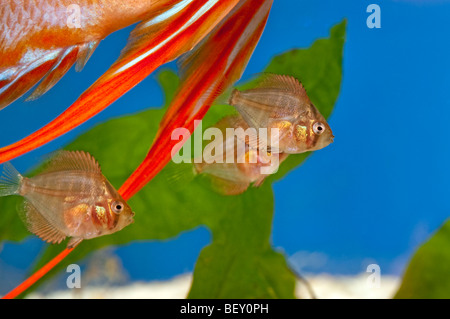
73,161
274,96
41,227
285,83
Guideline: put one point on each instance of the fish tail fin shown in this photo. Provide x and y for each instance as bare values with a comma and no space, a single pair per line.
233,96
10,180
225,97
178,175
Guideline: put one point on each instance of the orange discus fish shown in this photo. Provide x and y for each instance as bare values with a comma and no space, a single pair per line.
70,198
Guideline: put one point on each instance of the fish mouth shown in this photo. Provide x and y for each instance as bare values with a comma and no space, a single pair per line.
331,138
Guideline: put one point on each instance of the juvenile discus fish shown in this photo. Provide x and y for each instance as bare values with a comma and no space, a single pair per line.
281,102
235,178
231,164
71,198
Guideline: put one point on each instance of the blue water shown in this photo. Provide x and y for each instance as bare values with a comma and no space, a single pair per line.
372,196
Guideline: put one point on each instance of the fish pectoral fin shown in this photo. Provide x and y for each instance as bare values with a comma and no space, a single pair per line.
254,117
41,227
74,241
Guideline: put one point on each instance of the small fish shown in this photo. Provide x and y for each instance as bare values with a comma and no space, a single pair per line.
280,101
236,178
70,198
231,164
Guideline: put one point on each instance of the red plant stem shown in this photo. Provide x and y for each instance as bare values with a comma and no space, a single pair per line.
38,274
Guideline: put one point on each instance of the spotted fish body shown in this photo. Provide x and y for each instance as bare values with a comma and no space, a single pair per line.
280,102
71,198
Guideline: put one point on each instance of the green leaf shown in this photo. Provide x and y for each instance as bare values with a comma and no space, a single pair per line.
240,262
427,275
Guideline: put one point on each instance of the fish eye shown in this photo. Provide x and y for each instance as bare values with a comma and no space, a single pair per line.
318,128
117,207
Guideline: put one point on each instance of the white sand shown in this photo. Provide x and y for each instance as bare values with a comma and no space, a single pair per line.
324,286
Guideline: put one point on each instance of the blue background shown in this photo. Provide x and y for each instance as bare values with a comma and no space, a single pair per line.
372,196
